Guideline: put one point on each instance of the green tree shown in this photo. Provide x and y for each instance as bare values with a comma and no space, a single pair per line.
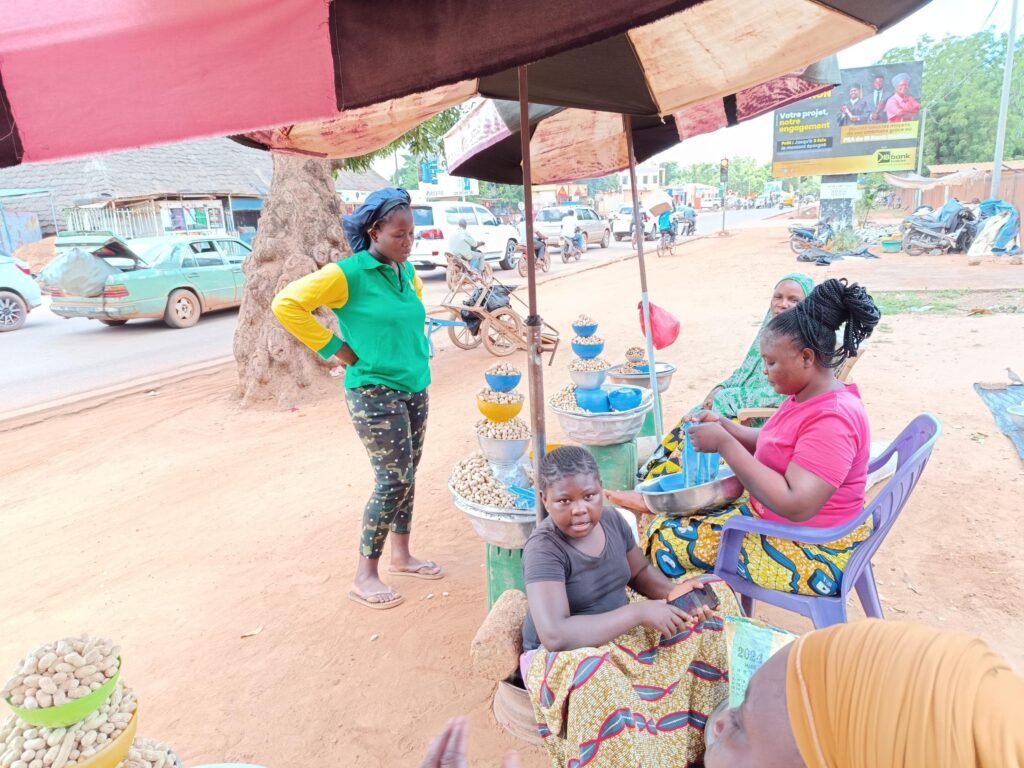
960,93
673,173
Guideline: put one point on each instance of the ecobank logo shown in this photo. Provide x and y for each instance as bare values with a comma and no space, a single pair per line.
893,156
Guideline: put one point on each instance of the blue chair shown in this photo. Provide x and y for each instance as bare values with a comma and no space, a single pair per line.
912,448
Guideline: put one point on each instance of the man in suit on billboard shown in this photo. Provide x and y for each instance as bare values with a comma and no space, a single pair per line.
877,96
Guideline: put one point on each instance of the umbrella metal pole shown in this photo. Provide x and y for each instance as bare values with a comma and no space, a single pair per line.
534,324
645,300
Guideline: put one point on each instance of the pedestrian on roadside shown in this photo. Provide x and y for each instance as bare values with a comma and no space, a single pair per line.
377,298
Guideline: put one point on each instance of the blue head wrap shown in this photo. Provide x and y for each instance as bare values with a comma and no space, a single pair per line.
376,206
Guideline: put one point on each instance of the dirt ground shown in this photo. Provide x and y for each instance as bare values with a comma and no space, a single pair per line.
175,523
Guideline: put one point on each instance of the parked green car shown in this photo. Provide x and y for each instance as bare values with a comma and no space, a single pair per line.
173,278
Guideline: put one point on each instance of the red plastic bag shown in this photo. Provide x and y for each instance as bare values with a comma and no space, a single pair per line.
664,325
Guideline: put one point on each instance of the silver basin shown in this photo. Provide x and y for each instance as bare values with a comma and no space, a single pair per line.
663,375
508,528
502,451
723,490
588,379
611,428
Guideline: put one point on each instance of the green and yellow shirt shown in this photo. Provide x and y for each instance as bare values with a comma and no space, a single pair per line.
380,313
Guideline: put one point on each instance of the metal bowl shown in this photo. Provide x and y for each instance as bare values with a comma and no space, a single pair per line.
508,528
588,379
726,488
606,428
663,375
502,451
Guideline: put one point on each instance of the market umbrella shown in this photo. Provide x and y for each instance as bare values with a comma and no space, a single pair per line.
83,76
567,144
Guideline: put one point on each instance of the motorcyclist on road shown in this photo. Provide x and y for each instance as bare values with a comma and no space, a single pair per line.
571,230
539,246
690,216
465,246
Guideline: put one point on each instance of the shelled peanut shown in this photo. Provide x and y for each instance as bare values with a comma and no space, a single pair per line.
565,400
515,429
28,746
589,366
147,753
503,369
473,480
61,671
490,396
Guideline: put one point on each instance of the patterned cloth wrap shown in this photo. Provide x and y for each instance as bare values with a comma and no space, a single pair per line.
688,546
638,700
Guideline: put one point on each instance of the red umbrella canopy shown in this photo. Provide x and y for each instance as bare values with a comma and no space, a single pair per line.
81,76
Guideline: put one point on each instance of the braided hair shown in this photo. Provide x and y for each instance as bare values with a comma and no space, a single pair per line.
567,461
815,321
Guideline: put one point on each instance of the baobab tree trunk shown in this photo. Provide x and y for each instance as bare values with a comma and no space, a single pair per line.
299,231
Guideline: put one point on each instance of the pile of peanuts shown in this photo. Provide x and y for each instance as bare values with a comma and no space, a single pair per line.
473,480
63,670
503,369
147,753
515,429
565,400
587,341
490,396
585,320
589,366
635,355
28,746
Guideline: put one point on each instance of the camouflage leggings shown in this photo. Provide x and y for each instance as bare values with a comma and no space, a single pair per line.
392,426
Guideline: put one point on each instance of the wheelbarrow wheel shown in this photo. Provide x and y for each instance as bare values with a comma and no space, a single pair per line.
503,333
455,276
463,338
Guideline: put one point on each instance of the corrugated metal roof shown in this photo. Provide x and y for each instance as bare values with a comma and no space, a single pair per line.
1008,165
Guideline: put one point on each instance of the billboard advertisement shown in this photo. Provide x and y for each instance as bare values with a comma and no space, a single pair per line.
871,122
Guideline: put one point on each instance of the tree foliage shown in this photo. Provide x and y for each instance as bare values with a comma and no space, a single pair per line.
963,79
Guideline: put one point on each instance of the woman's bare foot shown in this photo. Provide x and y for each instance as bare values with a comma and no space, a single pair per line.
631,500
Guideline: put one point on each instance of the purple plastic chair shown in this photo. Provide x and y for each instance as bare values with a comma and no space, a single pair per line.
912,448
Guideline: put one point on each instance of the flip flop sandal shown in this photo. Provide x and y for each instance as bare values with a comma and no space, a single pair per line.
384,606
417,574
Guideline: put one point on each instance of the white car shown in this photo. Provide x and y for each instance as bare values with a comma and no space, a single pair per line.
622,223
436,222
19,293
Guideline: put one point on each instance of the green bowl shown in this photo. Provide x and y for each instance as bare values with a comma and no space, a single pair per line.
71,712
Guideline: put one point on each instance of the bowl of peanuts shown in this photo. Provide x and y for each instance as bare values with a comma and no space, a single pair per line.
499,406
113,755
62,682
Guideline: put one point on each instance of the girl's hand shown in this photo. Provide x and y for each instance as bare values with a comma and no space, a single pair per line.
664,618
706,416
708,437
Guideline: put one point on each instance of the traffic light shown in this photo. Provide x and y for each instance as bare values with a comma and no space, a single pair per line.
723,170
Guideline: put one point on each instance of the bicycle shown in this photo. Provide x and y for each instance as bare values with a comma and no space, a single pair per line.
666,243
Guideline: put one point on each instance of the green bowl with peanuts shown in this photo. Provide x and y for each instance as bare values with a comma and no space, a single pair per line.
70,712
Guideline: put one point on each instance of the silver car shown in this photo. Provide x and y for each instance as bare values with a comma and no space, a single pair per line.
19,293
595,229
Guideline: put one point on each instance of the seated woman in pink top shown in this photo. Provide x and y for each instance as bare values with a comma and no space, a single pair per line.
806,466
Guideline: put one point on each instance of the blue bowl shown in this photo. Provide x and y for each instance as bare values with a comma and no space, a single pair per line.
592,400
625,398
503,382
584,330
587,351
642,368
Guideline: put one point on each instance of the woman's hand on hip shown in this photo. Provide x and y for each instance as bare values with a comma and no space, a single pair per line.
344,357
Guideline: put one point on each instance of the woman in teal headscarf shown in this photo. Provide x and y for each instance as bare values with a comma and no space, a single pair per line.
747,387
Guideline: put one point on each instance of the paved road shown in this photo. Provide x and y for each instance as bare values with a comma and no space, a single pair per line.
51,358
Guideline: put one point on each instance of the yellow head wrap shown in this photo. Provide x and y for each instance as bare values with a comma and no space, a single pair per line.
877,694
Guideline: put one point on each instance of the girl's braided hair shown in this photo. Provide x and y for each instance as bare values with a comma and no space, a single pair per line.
814,322
567,461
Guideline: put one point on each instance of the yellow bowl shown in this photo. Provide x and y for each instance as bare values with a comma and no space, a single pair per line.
499,411
115,751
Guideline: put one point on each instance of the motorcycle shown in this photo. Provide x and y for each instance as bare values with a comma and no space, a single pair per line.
540,254
687,227
802,238
950,229
569,248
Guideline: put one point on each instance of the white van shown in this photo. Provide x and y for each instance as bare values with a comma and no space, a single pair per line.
435,223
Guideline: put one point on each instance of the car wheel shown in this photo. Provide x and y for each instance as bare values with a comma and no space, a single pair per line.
606,239
113,323
509,262
183,309
13,311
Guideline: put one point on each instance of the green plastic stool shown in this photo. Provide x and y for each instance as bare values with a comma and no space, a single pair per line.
504,571
617,464
647,430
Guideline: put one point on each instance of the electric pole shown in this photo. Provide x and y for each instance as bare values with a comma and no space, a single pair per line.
1004,103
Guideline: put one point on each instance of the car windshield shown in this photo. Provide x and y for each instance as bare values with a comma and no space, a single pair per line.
626,210
551,214
422,216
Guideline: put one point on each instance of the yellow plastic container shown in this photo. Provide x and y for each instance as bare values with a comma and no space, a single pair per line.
499,411
117,750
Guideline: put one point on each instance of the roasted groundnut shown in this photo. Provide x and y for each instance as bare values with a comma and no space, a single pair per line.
62,670
589,366
148,753
585,320
503,369
587,341
565,400
515,429
490,396
473,480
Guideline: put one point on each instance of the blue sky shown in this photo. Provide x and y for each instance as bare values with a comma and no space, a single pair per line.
938,19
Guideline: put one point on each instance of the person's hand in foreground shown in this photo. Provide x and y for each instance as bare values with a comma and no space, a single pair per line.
448,750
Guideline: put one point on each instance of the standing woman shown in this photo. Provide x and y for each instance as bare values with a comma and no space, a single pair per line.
378,300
